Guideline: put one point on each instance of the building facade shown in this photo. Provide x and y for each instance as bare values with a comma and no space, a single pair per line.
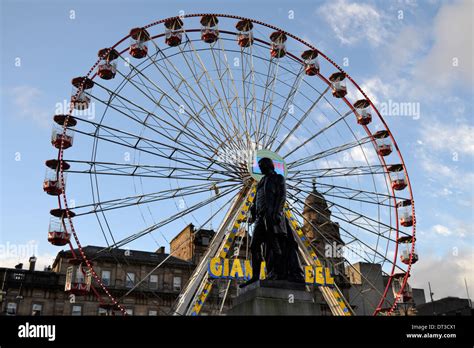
31,292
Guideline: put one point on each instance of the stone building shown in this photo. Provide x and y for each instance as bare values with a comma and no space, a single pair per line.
361,283
324,235
191,244
25,292
446,306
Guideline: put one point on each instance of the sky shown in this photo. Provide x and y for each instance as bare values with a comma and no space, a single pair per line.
417,52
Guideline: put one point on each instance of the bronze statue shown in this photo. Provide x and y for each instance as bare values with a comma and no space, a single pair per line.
272,229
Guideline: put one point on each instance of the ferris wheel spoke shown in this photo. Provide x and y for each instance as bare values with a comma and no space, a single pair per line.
351,219
186,98
130,140
248,73
321,173
148,125
328,152
222,57
173,217
272,131
319,133
301,201
300,121
289,101
174,106
190,148
120,203
143,170
209,79
140,281
267,102
353,193
352,216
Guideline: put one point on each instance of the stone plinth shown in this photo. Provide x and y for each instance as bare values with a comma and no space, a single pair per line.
274,297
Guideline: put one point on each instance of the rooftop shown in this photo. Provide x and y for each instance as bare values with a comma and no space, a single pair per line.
98,253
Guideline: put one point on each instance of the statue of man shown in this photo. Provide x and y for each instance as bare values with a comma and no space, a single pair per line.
271,228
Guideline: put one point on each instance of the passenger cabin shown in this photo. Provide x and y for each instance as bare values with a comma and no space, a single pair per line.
363,114
311,64
383,143
138,46
407,250
405,214
209,31
338,84
79,98
173,31
52,183
245,36
58,227
397,177
107,65
278,40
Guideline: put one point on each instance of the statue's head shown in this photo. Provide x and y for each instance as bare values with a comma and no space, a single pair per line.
266,165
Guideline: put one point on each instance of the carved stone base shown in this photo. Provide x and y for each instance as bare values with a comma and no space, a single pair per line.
274,297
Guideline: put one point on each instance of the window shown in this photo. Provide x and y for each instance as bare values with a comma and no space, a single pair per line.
106,277
205,241
18,276
129,311
11,308
102,311
79,276
130,280
76,310
154,281
176,283
152,312
37,309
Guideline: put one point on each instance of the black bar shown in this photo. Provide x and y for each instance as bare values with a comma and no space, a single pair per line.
224,330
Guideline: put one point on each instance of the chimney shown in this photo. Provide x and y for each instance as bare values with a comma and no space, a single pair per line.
32,263
160,250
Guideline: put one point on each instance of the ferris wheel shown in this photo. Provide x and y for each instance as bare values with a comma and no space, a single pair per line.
165,129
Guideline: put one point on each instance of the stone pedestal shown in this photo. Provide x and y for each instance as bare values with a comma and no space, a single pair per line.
274,297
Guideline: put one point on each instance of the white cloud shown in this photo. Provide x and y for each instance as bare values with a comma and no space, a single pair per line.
403,50
444,153
453,44
26,101
442,230
448,137
417,62
353,22
445,177
446,273
363,154
377,90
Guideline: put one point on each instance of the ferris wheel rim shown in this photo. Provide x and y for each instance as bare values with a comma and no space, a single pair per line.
60,152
